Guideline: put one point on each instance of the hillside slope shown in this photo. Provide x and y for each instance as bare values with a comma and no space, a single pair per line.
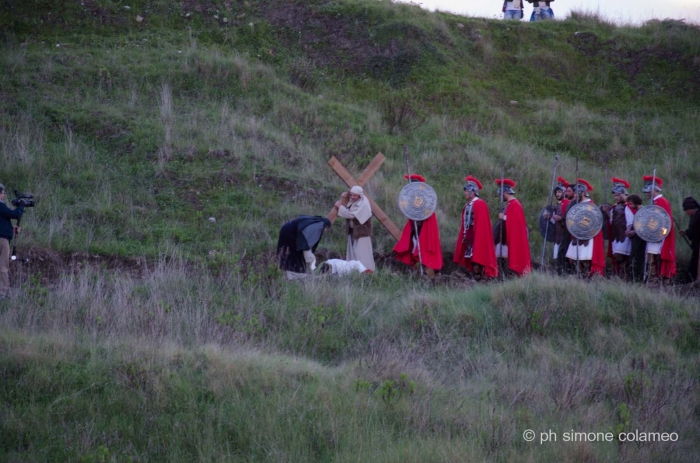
141,121
168,141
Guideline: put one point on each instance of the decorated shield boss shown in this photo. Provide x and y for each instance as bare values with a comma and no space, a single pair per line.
584,220
417,201
652,223
546,226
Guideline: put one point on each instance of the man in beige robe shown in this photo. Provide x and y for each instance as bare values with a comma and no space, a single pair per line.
358,224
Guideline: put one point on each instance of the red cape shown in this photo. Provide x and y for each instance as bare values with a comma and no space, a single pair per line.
516,239
484,250
564,206
668,249
598,260
429,240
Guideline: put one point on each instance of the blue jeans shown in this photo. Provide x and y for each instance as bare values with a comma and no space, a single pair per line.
511,14
543,15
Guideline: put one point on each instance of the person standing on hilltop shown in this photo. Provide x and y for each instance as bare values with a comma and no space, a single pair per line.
474,249
590,254
541,11
513,10
406,250
661,256
621,218
690,207
358,225
512,240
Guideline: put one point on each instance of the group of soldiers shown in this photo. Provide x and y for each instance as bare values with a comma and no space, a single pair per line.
487,251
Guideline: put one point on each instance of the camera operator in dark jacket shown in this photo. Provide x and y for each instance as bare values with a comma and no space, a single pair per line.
6,234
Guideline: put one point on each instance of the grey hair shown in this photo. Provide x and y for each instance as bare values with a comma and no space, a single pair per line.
2,188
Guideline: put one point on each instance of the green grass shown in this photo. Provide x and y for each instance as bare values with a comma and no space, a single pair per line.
144,133
243,367
134,134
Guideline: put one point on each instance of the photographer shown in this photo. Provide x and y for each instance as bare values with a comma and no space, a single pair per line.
6,234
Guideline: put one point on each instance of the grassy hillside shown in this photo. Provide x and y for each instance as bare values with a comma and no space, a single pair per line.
135,133
184,367
172,337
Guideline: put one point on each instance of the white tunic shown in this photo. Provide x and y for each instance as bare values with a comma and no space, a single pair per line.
624,247
360,249
655,248
581,252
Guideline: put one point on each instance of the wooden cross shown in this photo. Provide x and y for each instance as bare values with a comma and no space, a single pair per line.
361,181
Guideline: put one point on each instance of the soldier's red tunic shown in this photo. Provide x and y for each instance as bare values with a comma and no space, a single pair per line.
483,248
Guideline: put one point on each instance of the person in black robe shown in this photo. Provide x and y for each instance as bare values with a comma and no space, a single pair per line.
297,242
690,207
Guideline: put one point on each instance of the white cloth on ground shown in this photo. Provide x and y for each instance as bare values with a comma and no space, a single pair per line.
342,267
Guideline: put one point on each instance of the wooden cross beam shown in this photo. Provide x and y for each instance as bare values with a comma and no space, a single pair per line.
361,181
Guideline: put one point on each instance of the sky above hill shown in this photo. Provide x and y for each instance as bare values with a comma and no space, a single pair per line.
619,11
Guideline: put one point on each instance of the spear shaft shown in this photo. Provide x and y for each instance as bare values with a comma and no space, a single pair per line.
551,194
651,199
415,224
503,222
578,262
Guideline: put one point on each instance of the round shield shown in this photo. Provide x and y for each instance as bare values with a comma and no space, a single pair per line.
417,200
546,226
652,223
584,220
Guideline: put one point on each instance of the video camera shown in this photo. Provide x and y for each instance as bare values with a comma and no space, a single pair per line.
23,199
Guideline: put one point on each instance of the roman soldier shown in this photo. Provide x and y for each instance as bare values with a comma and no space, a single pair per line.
558,218
474,249
590,254
661,256
512,242
621,219
428,241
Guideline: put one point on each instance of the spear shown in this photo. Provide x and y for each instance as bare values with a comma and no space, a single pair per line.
678,227
651,198
415,224
551,193
578,262
605,190
503,223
